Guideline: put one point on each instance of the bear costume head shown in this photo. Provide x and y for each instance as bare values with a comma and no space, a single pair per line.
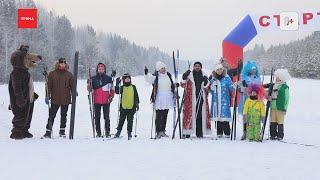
22,59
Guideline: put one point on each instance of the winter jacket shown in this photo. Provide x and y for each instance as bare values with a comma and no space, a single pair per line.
103,89
280,97
160,83
60,84
254,110
119,90
221,91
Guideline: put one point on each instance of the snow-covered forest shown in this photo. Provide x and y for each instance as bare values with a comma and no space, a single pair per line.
301,57
56,37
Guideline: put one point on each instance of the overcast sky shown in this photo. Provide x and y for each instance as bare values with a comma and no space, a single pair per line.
196,27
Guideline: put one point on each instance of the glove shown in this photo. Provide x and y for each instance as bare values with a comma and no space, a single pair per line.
89,88
118,80
35,96
186,74
110,100
155,73
113,74
137,107
146,70
244,83
47,100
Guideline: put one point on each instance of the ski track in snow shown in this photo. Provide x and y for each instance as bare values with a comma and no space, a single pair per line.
145,158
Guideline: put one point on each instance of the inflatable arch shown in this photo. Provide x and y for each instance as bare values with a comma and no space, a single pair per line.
251,25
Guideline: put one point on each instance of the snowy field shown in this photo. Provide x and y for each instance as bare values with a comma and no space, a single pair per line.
143,158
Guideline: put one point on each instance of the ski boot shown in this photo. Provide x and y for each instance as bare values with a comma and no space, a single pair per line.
47,134
117,134
244,136
17,134
27,134
273,131
129,135
98,135
280,132
163,134
62,133
107,135
273,138
158,135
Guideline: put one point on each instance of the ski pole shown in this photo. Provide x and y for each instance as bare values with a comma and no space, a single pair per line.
198,103
135,131
152,123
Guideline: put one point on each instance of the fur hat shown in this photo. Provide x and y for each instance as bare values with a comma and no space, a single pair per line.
282,74
160,65
218,66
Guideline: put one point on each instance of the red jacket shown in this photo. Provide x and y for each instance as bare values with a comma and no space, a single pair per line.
103,89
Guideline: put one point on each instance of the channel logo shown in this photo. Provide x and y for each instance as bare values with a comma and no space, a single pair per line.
27,18
289,21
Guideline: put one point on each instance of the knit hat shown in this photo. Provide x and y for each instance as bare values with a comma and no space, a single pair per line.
282,74
126,75
199,63
160,65
218,66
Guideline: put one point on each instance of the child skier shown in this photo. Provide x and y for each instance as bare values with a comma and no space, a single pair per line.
250,75
129,103
279,104
254,111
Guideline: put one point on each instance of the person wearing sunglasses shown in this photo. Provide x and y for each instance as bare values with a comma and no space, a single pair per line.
60,82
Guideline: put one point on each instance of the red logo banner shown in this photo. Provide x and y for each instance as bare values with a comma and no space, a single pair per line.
27,18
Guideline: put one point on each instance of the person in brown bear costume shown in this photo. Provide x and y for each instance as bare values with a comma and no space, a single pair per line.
21,91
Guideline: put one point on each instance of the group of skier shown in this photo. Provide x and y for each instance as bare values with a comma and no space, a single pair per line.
197,116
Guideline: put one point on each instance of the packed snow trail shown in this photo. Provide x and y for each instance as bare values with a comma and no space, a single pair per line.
144,158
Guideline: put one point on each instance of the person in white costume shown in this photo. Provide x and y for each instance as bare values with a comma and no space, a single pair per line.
162,96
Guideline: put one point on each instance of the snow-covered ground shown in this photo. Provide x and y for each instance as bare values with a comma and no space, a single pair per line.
144,158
